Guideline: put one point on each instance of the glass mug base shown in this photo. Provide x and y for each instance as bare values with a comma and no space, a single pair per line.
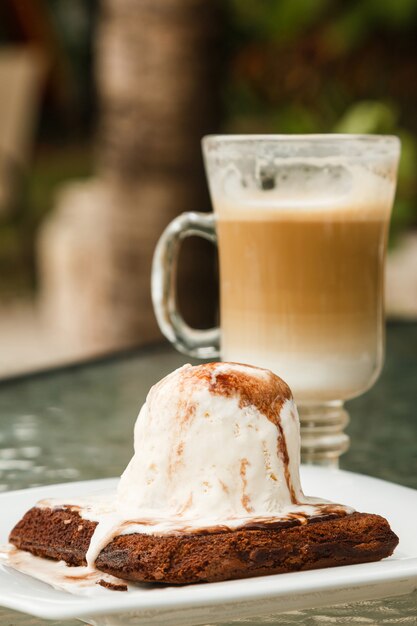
323,439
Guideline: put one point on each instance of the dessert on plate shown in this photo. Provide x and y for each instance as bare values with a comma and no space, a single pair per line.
212,493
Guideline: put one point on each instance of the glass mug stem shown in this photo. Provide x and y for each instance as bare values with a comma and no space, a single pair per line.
323,439
203,344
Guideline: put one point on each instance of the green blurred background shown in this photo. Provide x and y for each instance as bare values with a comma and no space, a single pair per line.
292,66
298,66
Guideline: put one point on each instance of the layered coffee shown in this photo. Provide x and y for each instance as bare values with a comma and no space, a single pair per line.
302,294
301,225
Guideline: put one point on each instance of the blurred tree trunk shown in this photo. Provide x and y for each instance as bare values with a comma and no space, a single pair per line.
158,74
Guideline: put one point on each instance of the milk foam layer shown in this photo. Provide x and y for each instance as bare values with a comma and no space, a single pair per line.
245,184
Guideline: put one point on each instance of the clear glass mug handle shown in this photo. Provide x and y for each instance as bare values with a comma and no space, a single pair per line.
204,344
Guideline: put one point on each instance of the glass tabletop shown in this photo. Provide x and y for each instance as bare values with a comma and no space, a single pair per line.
77,423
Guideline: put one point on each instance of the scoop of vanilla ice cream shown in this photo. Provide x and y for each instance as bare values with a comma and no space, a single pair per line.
214,443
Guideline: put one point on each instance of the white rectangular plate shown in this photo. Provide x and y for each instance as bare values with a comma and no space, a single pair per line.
210,602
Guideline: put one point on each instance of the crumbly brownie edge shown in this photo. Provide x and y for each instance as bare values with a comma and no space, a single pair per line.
57,534
180,559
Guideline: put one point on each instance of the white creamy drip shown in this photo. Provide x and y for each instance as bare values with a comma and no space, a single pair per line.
77,580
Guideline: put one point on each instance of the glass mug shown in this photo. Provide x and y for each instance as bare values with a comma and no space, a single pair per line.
301,224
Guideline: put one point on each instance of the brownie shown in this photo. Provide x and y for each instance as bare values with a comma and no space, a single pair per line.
62,534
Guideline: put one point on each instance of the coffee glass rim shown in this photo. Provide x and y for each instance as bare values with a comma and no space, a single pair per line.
373,149
295,137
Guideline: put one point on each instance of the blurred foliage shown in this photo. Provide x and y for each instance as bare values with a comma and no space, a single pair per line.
296,66
50,168
303,66
63,29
